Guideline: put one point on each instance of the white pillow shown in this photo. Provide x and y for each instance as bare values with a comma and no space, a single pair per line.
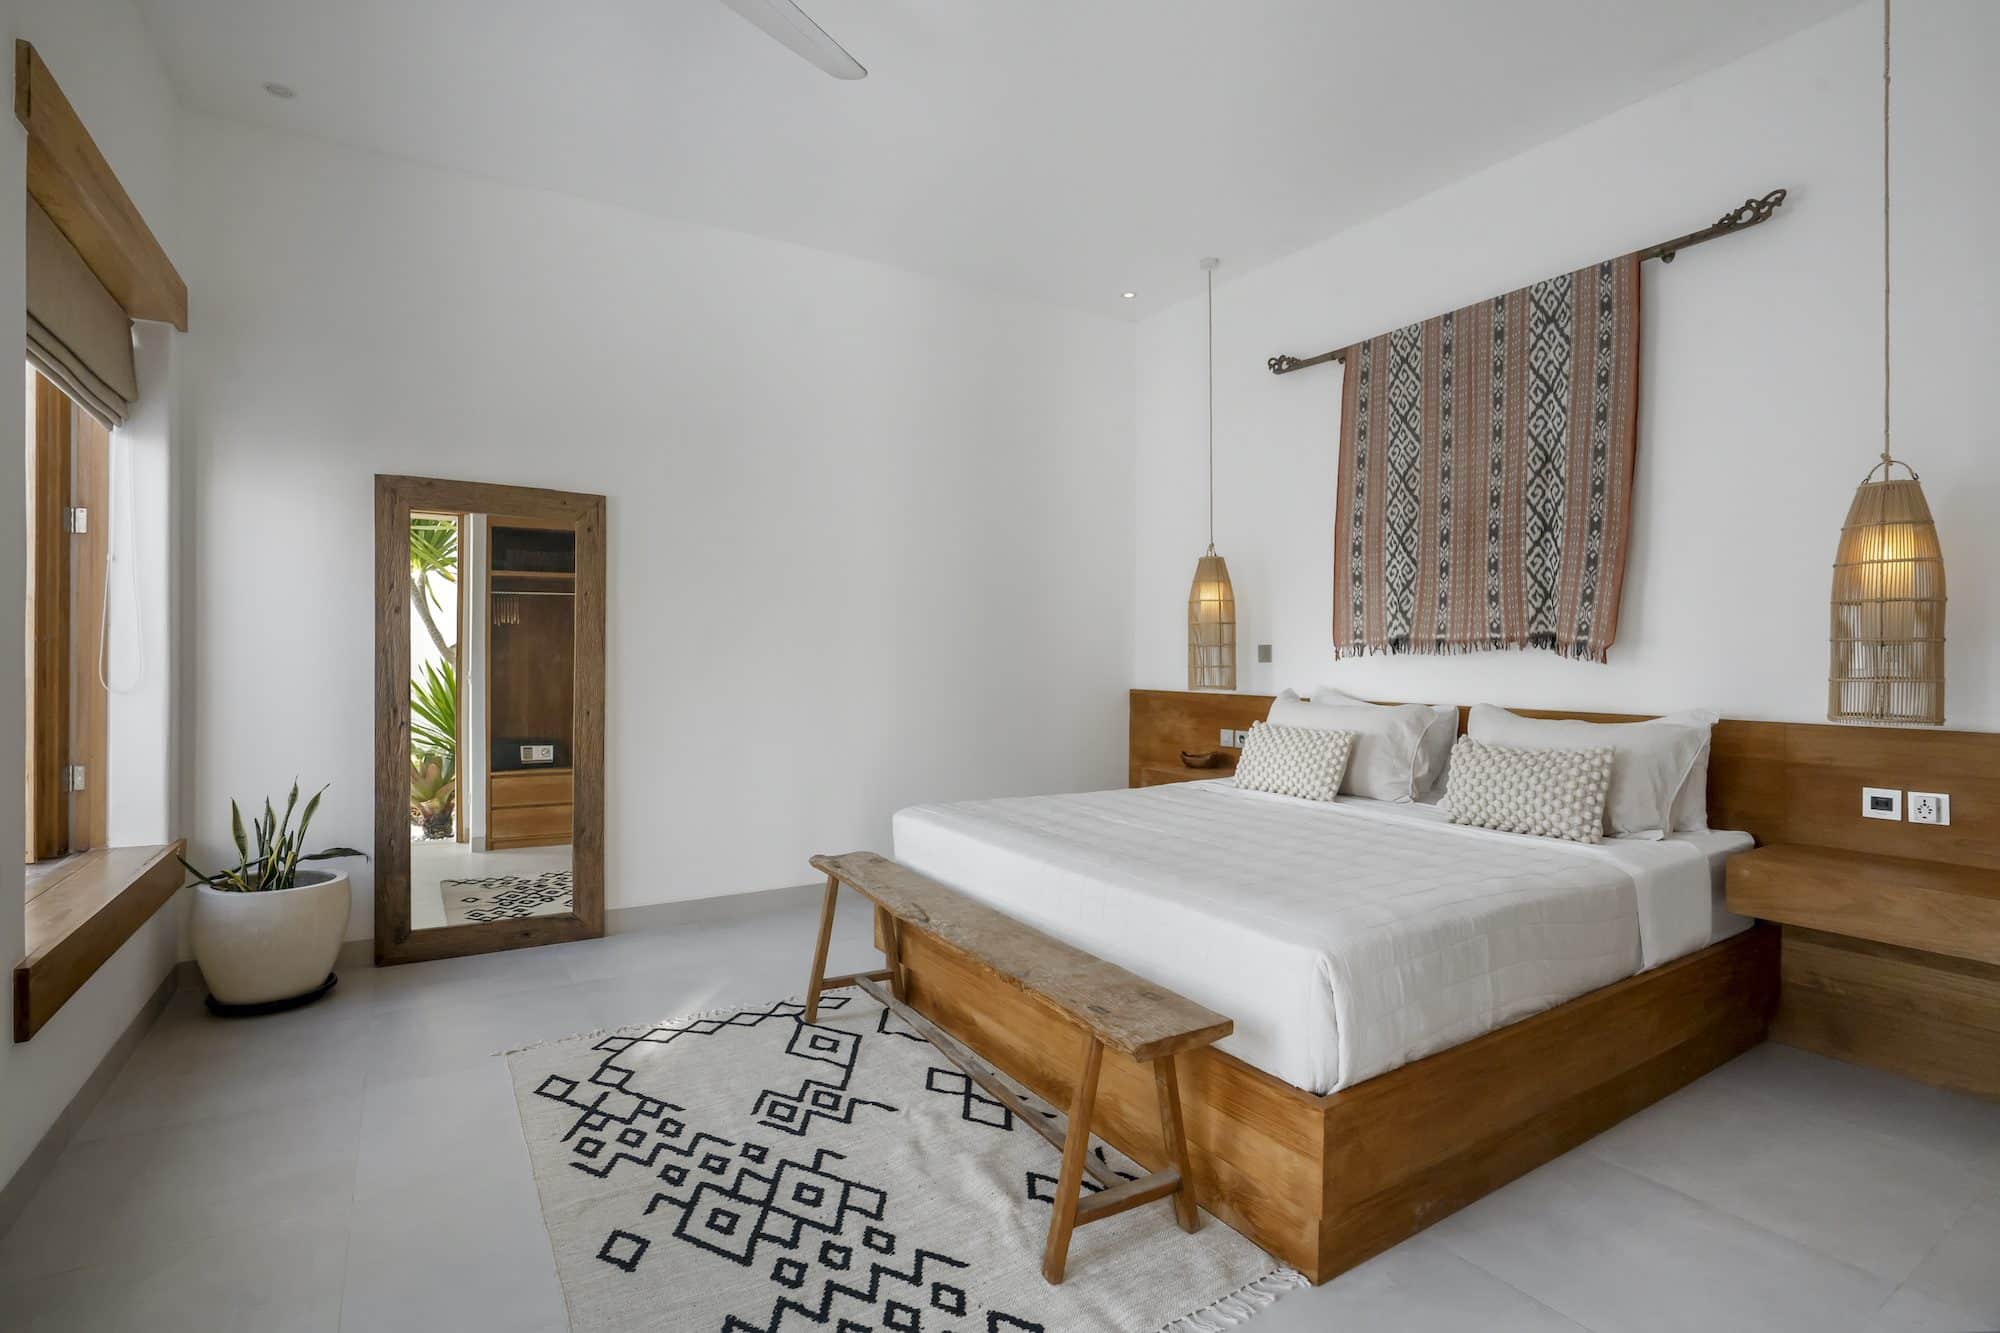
1383,765
1433,755
1651,761
1547,793
1294,761
1691,806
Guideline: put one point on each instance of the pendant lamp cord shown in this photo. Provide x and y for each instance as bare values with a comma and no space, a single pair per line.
1885,243
1210,275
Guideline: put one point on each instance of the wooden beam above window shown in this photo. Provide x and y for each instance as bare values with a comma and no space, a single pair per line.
75,186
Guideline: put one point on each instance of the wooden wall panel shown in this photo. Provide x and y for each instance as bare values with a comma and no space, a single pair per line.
1921,1015
1784,782
1165,722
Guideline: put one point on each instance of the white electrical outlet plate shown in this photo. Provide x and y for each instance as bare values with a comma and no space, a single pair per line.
1228,737
1930,807
1242,738
1881,803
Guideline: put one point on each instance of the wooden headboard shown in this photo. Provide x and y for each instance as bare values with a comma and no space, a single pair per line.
1792,782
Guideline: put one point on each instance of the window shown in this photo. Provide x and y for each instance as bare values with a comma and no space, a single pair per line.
68,522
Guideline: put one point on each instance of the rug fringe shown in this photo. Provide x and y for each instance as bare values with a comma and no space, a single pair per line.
1239,1305
726,1011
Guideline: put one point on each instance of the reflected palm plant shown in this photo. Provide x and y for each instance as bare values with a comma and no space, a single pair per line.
434,711
433,795
433,555
434,747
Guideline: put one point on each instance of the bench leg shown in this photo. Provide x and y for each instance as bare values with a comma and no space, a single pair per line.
1173,1141
890,931
1076,1146
819,949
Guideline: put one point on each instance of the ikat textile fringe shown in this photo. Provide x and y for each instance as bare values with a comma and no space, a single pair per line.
1485,491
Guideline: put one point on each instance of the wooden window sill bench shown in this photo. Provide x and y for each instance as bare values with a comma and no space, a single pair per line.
79,911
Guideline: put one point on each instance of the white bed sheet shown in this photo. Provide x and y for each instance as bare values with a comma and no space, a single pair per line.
1345,938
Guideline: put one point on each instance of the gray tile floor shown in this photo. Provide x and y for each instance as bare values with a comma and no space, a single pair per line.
357,1165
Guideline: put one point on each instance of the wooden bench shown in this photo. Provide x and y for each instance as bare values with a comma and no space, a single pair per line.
1110,1006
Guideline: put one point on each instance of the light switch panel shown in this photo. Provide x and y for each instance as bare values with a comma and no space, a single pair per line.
1881,803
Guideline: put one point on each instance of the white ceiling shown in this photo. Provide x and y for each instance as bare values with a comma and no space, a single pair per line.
1067,150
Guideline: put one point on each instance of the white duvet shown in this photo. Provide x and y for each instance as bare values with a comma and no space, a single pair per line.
1345,938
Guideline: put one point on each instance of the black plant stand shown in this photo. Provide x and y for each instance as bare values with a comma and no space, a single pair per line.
222,1010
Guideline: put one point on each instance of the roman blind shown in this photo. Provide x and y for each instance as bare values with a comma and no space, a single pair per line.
78,334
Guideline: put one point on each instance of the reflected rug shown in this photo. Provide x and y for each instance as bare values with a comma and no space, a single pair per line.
502,897
746,1170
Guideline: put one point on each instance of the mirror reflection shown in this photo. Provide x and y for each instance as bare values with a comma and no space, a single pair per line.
492,698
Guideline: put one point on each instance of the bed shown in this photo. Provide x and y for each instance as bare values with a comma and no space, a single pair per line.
1345,938
1423,1011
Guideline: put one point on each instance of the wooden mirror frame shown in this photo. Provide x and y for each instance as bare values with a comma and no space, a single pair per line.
395,499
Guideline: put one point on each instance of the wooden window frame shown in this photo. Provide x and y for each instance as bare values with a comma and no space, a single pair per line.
67,722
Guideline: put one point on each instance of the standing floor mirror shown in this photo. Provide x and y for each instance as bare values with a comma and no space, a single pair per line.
489,706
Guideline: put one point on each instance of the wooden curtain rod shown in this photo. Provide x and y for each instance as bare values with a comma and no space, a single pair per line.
1748,214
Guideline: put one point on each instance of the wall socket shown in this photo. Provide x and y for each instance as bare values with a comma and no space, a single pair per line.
1233,739
1881,803
1930,807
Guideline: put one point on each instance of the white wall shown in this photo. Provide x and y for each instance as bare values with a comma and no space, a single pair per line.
1760,399
870,533
100,53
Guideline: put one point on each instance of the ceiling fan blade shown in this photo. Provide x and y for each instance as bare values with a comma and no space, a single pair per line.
789,24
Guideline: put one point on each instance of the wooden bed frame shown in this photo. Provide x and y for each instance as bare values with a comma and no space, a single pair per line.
1325,1182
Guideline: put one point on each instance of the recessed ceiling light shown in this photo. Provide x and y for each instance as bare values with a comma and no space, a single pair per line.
1128,295
284,92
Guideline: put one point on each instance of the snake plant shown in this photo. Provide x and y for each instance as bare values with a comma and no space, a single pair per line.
275,864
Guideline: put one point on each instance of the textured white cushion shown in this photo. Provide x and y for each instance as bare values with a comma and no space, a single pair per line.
1549,793
1387,741
1433,752
1294,761
1651,761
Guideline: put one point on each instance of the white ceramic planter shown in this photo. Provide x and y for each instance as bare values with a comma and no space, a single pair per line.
257,947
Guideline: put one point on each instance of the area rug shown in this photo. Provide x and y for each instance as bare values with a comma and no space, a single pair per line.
746,1170
502,897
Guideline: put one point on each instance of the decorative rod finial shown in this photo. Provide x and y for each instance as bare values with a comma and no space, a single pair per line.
1751,212
1280,365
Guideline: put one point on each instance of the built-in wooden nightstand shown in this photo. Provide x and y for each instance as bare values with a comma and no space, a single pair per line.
1158,775
1887,961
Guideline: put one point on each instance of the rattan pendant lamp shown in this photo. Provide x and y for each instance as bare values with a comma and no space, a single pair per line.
1888,572
1211,601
